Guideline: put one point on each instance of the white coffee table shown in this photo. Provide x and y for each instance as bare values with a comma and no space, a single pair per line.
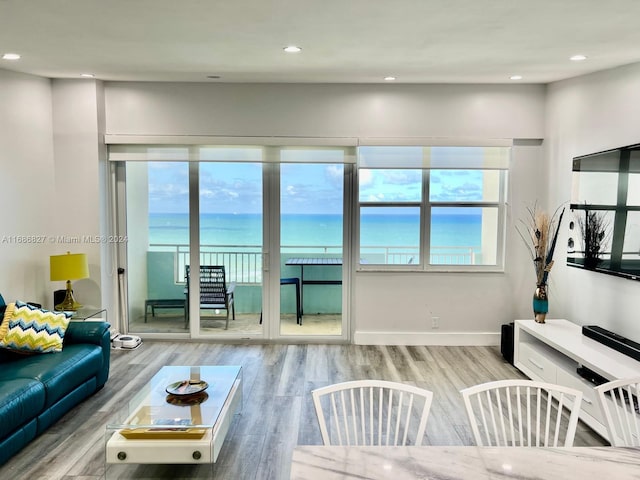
158,433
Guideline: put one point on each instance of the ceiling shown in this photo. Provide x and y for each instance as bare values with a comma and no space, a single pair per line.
342,41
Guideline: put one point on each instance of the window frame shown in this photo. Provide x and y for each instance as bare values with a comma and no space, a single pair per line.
426,205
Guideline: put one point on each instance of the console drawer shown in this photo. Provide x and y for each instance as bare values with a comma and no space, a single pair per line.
536,361
589,401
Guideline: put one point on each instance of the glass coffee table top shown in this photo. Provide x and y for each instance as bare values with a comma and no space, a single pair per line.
179,397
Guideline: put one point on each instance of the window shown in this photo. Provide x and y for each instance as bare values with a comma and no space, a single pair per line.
432,207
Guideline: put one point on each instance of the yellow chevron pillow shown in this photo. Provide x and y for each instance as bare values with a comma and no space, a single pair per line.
29,329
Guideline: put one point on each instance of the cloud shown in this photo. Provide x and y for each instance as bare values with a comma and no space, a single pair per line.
402,177
365,177
334,173
463,192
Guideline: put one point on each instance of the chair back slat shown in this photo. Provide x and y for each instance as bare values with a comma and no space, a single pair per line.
372,412
354,415
380,413
558,418
520,420
538,421
511,424
335,413
389,416
529,424
363,415
407,420
493,410
522,413
618,401
501,419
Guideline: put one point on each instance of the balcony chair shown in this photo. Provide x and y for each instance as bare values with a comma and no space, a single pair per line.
618,402
522,413
372,413
215,294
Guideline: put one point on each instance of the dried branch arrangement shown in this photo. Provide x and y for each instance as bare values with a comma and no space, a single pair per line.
540,235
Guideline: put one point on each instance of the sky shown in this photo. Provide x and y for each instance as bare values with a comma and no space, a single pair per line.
237,188
305,188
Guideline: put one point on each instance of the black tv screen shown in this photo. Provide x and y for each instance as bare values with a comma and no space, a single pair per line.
604,227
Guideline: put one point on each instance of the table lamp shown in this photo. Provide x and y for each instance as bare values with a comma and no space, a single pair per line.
72,266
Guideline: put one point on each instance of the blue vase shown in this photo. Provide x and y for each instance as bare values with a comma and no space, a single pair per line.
540,303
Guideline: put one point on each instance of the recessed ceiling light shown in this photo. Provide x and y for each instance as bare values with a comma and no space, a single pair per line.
515,77
292,49
10,56
389,79
87,75
577,58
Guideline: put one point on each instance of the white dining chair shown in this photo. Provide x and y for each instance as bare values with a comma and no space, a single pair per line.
372,412
522,413
618,401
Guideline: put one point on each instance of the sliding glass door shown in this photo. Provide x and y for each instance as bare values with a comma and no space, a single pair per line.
211,229
311,249
157,230
231,225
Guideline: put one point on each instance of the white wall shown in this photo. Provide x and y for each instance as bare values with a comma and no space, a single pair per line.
28,193
78,152
475,304
586,115
51,189
481,111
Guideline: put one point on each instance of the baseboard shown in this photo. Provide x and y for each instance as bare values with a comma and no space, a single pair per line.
427,338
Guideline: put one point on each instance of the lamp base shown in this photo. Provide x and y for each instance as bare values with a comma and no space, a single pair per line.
69,303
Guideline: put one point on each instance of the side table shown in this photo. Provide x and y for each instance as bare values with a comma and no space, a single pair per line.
89,314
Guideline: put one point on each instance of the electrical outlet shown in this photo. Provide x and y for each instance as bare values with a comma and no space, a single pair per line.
435,322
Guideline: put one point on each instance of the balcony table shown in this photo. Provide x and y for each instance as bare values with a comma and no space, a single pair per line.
463,463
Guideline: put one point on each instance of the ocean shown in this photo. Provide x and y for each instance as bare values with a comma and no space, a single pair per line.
317,230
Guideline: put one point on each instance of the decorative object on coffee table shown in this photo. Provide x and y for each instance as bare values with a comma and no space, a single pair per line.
187,387
540,238
187,400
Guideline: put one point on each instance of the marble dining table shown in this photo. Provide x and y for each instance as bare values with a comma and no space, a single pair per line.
470,462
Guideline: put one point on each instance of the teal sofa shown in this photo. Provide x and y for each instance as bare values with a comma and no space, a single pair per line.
36,390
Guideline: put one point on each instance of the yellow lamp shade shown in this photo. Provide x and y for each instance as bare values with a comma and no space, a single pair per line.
71,266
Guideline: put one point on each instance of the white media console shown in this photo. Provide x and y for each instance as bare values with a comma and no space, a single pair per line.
553,351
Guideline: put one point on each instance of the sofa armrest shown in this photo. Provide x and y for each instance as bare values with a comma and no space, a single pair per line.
97,333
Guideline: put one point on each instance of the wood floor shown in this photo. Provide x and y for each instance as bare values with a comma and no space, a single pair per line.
277,412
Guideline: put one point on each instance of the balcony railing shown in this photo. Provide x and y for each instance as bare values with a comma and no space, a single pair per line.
243,264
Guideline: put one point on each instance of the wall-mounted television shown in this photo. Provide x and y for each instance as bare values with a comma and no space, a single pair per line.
604,227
